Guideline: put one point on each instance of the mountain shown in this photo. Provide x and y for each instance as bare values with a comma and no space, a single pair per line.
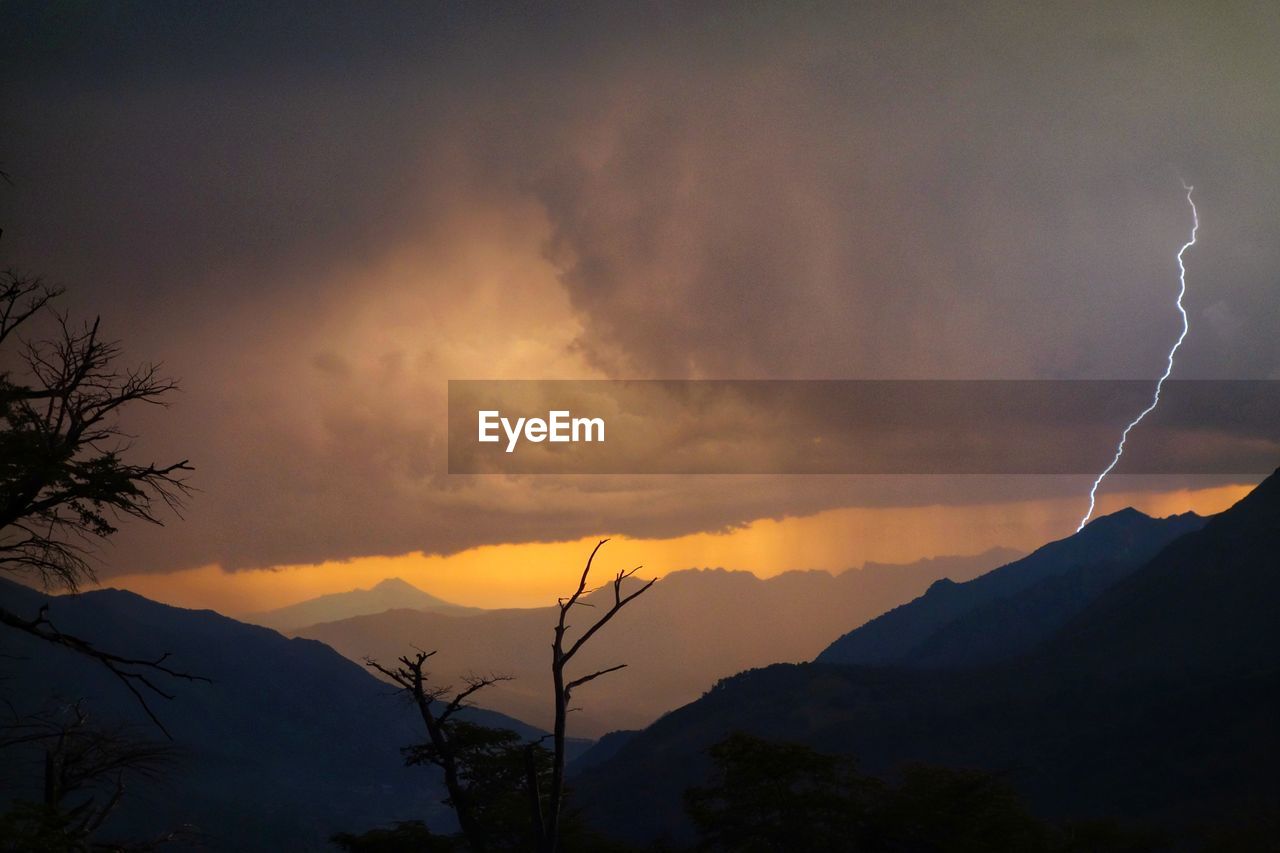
1156,702
1006,611
603,749
288,744
690,629
1206,607
390,594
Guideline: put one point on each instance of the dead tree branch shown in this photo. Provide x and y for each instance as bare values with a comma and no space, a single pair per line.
64,479
412,678
134,673
547,826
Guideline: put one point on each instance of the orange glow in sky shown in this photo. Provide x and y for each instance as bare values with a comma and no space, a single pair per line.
535,573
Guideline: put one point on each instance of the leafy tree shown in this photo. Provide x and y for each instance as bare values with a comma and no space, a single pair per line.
441,750
769,796
1111,836
493,766
957,811
410,836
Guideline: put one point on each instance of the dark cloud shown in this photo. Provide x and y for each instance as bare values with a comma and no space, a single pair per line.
963,195
316,218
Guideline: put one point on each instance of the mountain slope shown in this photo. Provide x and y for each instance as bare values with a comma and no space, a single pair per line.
692,628
1208,605
1157,702
289,743
1010,609
389,594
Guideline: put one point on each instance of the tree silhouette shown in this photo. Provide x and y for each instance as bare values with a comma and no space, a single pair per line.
64,481
84,768
492,764
483,767
765,795
447,747
547,824
408,836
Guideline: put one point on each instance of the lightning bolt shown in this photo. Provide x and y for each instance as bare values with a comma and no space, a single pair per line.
1155,401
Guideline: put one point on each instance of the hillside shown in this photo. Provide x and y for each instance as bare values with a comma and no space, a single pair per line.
289,742
691,629
1155,703
1008,610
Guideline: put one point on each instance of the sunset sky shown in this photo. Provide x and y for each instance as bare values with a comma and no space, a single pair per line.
315,220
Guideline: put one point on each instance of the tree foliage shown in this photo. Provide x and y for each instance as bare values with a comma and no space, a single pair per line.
65,481
779,796
493,766
408,836
64,478
765,796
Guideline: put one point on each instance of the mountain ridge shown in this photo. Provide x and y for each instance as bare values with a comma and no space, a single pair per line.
1105,550
692,627
289,743
1145,706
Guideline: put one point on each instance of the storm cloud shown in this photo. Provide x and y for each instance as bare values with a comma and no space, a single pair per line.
315,220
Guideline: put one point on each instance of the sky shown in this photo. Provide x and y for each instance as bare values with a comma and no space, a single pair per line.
314,219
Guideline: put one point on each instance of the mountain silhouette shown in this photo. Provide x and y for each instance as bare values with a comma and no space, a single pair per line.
1205,608
692,628
1155,703
1006,611
288,744
389,594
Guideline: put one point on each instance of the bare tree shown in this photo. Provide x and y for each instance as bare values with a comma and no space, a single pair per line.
85,766
64,481
547,824
545,806
437,715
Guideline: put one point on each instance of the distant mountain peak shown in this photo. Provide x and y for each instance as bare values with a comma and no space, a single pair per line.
386,594
394,585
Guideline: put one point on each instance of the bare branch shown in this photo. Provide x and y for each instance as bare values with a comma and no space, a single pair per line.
64,481
134,673
84,758
414,681
63,477
548,824
20,299
473,686
592,677
618,603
